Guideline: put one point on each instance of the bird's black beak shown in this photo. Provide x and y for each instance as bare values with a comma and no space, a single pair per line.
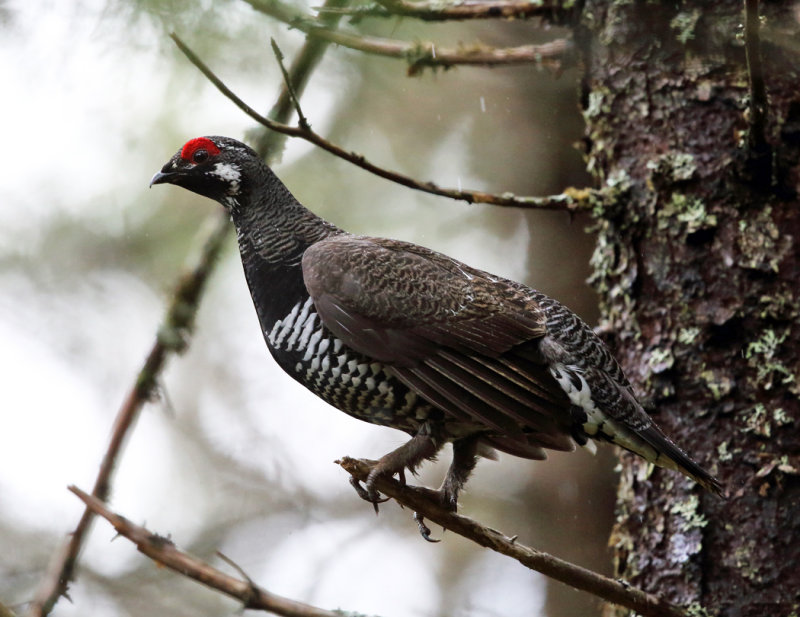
162,177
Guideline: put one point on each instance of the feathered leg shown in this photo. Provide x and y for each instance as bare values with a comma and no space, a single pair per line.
465,457
421,447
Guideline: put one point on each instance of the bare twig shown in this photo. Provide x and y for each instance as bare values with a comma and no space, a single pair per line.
420,55
759,148
302,122
439,11
172,337
608,589
571,200
164,552
270,144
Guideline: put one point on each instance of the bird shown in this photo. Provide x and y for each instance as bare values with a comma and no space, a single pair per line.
400,335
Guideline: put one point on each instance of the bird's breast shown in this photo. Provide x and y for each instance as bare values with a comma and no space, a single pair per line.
344,378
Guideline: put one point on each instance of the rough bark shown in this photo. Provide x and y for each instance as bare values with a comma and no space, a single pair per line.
698,268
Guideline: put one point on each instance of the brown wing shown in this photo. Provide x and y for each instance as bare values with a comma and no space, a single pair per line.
457,336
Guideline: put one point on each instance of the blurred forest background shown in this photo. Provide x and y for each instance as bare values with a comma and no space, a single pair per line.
235,456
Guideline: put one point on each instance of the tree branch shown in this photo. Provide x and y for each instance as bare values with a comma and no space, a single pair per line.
302,121
437,11
420,55
164,552
617,592
172,337
270,143
572,200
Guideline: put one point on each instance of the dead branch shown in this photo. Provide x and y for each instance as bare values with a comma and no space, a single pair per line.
617,592
172,337
571,200
419,55
437,11
164,552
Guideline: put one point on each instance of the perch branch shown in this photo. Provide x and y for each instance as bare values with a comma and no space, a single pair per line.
572,200
172,337
614,591
164,552
420,55
437,11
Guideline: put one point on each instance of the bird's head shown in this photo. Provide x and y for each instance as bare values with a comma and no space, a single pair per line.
215,167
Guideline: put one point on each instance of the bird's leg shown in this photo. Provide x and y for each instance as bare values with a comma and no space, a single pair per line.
421,447
464,460
465,457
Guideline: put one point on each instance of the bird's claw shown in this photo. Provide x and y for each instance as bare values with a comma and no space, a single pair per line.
440,497
368,493
424,530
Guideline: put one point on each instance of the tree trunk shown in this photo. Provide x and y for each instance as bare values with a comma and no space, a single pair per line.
698,269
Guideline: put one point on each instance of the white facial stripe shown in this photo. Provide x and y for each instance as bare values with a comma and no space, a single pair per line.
230,173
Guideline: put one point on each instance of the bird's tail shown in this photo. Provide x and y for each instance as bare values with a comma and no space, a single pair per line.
657,448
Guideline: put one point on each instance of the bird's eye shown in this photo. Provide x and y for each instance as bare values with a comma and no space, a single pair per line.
200,156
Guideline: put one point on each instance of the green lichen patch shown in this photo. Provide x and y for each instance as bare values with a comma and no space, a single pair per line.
599,104
603,203
661,359
757,421
760,243
743,558
676,166
723,454
695,609
687,336
763,355
719,382
613,275
780,417
684,24
689,511
688,210
784,304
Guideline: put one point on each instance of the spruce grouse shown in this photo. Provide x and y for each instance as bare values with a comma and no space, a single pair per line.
399,335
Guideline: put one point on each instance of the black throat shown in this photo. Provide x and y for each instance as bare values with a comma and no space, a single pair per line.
272,239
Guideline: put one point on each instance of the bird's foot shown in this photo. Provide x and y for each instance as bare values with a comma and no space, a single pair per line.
441,497
424,530
367,491
423,446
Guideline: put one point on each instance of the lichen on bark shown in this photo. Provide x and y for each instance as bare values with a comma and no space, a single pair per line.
697,271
